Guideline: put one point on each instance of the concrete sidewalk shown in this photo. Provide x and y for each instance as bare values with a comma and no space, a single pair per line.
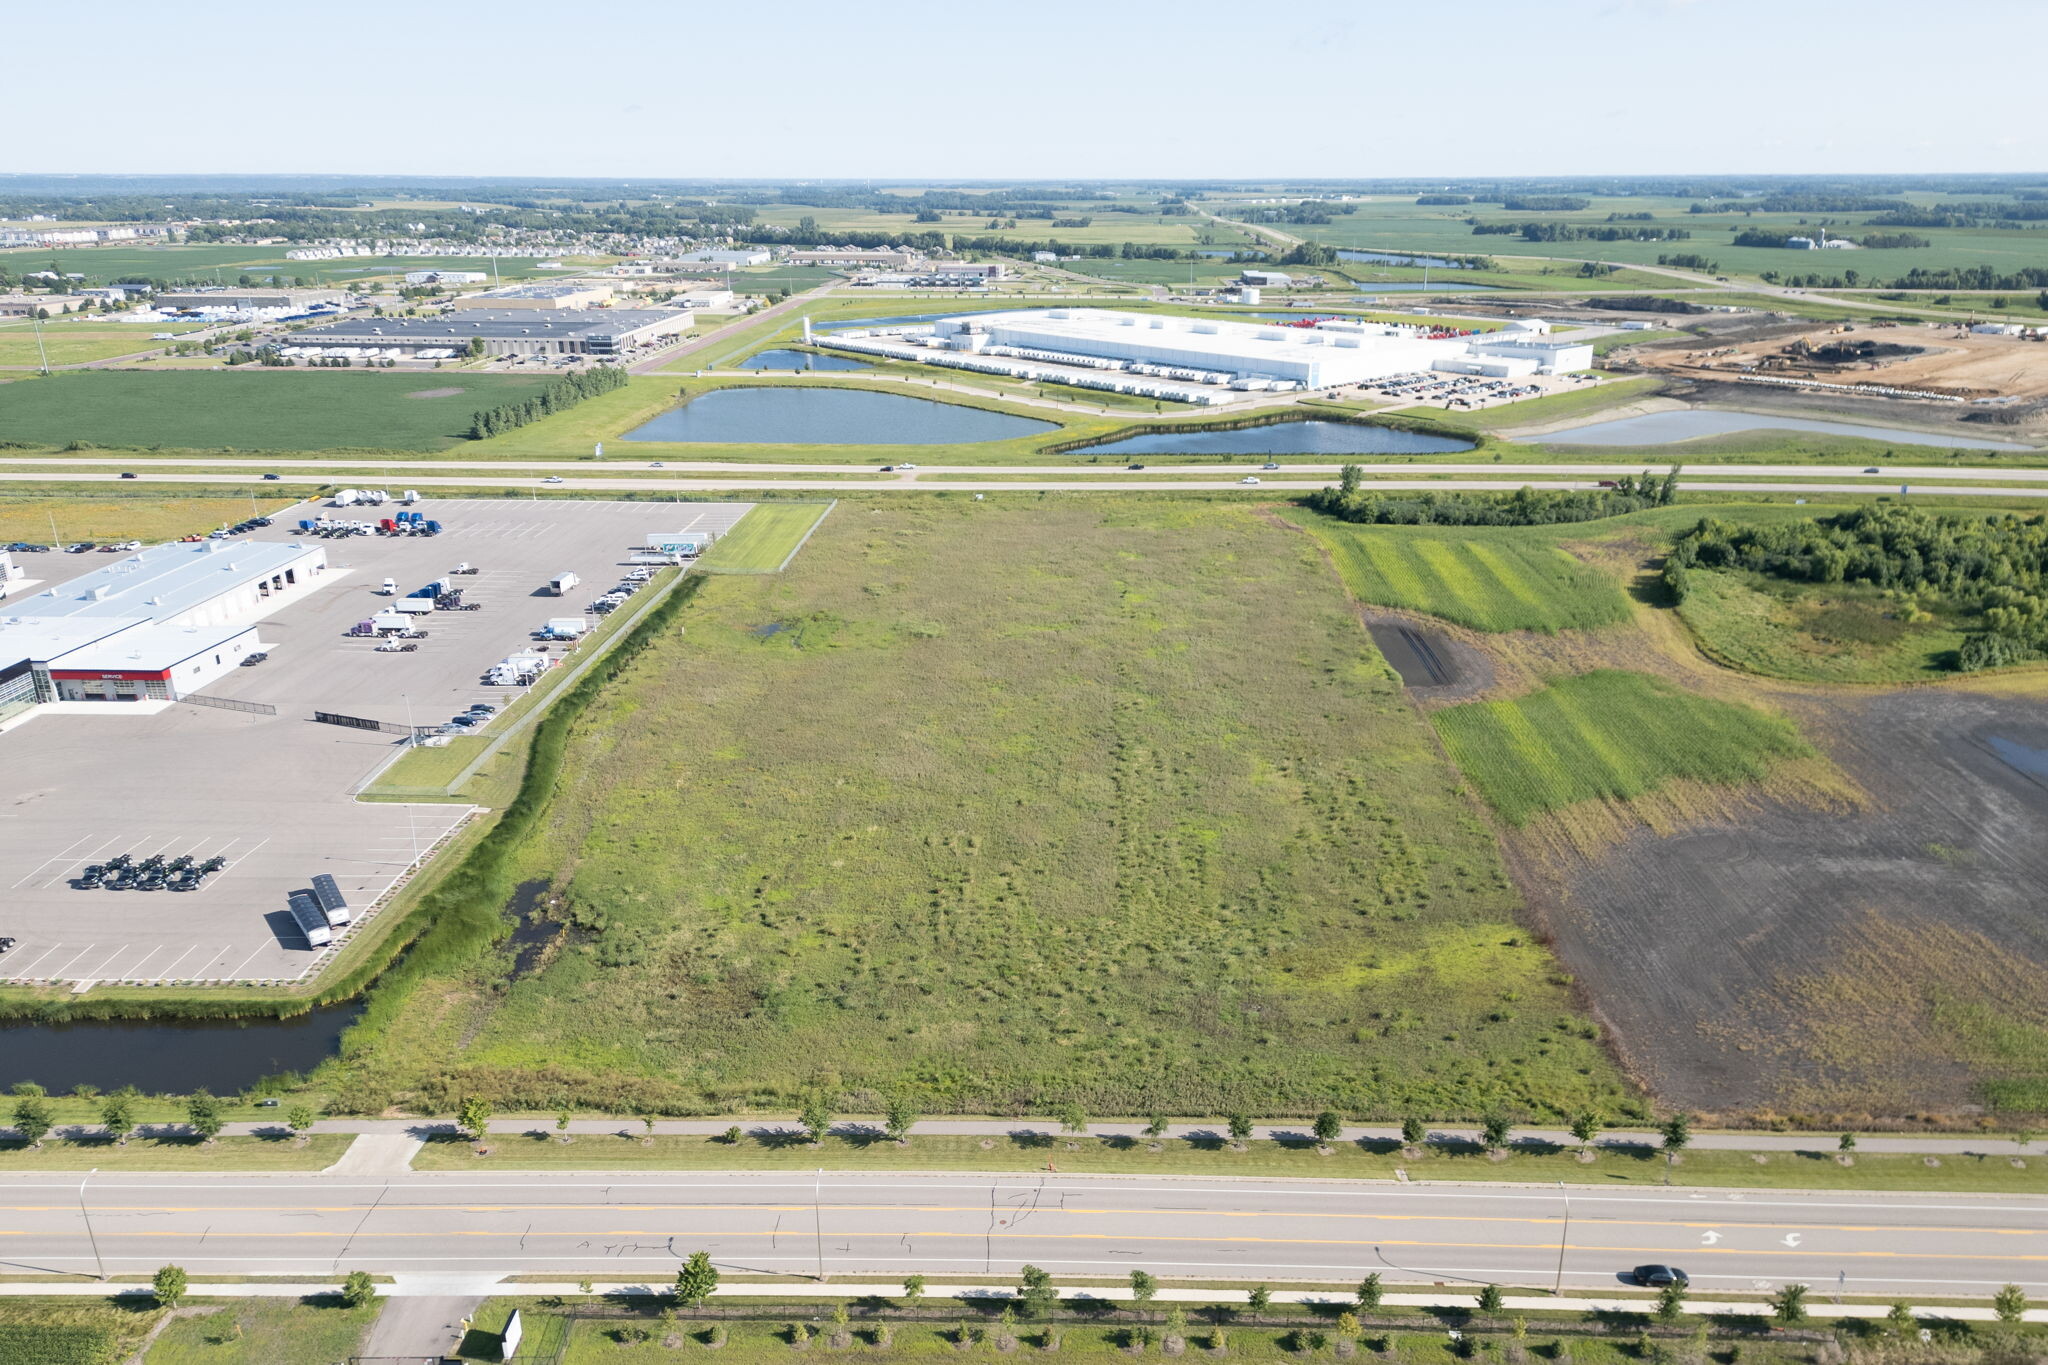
424,1128
441,1288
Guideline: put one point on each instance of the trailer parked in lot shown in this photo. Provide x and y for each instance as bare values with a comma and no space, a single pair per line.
562,582
311,919
564,627
332,903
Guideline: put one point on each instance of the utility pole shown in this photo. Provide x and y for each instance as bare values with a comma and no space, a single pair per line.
37,324
1563,1239
90,1236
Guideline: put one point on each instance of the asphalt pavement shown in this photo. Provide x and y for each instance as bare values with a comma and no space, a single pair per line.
837,1223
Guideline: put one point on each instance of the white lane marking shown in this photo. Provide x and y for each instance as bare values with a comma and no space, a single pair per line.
74,957
58,856
165,974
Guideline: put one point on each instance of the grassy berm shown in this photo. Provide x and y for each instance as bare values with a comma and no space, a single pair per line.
1002,804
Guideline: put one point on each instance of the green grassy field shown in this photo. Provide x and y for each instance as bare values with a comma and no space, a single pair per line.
1488,578
76,342
177,1154
265,1332
57,1331
765,538
1838,633
253,409
994,803
1401,224
1808,1170
1608,735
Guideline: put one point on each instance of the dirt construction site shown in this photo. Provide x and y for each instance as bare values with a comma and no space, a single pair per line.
1940,365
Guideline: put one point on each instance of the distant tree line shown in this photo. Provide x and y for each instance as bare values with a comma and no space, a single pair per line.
1805,203
1430,199
1307,211
1545,203
1689,260
1993,567
1353,501
1577,232
559,396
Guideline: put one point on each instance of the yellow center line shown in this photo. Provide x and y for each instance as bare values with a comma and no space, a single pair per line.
525,1235
1541,1220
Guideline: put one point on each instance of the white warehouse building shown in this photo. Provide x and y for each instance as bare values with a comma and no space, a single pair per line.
1211,350
152,626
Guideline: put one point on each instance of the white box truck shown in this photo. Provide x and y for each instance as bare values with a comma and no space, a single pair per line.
565,627
560,584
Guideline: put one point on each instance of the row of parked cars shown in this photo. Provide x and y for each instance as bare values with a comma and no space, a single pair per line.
154,873
634,580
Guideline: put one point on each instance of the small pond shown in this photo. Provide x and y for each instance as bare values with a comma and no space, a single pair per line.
170,1056
1285,438
1663,428
1398,258
1421,657
799,360
845,417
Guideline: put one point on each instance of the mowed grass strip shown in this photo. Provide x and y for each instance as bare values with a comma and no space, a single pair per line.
1608,735
764,539
1488,578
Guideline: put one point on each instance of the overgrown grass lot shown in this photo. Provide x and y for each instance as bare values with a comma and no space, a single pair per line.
1608,735
1816,633
44,520
266,1332
254,409
1486,577
1102,799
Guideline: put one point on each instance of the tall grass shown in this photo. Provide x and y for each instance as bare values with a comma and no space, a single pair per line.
1607,735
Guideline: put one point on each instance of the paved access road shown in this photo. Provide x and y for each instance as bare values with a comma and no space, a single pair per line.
899,1223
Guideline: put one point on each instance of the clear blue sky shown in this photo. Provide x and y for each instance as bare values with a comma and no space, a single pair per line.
1041,88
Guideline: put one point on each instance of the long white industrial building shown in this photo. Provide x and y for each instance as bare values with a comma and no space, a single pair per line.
1227,354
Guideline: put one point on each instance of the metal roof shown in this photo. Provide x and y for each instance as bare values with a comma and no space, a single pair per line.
164,580
487,323
149,648
43,638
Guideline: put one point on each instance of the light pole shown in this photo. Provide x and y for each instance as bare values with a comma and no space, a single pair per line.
818,1219
1563,1238
87,1216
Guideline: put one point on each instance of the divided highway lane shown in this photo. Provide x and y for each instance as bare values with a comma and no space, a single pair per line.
899,1223
920,482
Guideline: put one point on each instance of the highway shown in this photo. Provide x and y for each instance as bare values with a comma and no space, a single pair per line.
898,1223
1070,481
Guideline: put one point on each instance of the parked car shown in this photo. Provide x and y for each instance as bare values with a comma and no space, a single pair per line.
1657,1276
80,548
5,944
251,660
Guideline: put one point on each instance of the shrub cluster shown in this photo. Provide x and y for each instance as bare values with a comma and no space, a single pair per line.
1995,567
1523,507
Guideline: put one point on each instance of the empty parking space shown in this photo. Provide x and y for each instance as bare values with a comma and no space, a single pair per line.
272,795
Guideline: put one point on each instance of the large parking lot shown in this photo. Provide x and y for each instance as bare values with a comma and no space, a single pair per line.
274,794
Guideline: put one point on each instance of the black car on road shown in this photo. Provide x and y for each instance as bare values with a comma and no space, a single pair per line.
1657,1276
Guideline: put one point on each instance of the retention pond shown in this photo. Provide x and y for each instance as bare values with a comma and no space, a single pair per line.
847,417
1285,438
1666,428
170,1056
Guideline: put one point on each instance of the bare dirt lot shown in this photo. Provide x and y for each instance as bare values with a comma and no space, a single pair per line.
1949,358
1888,962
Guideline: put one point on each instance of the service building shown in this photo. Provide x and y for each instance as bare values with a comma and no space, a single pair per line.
517,331
543,296
152,626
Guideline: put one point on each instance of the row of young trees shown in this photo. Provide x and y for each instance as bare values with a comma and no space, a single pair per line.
34,1116
1579,232
559,396
1995,568
1352,501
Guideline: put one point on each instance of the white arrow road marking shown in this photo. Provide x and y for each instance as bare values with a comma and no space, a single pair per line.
1707,1239
1791,1239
